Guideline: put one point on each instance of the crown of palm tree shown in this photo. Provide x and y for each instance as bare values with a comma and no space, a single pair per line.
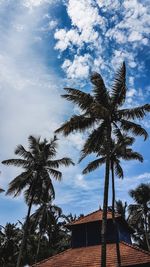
120,149
101,108
39,167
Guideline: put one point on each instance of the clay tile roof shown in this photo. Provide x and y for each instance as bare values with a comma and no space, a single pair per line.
94,216
90,257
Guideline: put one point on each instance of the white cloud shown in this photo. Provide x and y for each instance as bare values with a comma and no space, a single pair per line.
135,36
79,68
101,26
108,4
28,89
80,181
84,15
36,3
77,140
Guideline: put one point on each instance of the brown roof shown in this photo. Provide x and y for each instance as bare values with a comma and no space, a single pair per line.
90,257
94,216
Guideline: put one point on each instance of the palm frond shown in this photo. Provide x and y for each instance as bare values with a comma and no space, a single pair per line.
130,154
94,141
18,183
118,169
78,123
93,165
2,190
133,113
135,128
34,143
16,162
55,174
83,100
59,162
21,151
100,92
119,87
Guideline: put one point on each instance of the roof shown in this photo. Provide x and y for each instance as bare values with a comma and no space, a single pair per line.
90,257
94,216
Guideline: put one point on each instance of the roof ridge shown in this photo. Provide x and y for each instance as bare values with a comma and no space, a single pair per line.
91,213
58,254
85,216
135,247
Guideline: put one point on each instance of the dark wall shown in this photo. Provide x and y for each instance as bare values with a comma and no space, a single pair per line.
90,234
124,235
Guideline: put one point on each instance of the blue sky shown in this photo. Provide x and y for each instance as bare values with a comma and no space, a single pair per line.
48,44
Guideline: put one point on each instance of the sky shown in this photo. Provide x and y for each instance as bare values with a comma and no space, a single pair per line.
46,45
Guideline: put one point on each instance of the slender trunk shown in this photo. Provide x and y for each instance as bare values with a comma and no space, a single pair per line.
38,247
113,217
146,233
105,200
24,233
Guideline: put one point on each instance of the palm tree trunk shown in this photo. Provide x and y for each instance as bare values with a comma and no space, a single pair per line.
24,233
113,217
38,248
105,200
146,233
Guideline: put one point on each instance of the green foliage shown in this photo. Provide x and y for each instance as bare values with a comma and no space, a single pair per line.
139,215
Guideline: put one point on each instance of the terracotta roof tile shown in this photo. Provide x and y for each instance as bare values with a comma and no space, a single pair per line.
94,216
90,257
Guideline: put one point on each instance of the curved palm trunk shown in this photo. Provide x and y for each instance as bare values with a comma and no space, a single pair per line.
105,201
113,217
24,233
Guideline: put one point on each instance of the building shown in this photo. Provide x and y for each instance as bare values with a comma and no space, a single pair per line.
86,245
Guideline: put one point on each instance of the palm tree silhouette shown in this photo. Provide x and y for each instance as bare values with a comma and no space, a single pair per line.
40,168
139,213
103,114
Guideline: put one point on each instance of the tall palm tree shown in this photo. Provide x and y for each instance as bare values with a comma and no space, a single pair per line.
139,213
120,149
39,168
103,111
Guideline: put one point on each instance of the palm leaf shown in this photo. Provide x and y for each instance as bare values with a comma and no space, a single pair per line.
138,112
18,183
118,169
59,162
130,154
2,190
55,173
100,92
94,141
136,129
79,123
119,87
34,143
94,165
21,151
83,100
16,162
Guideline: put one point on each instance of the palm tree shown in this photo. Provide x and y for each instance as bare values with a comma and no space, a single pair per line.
10,236
102,111
139,213
119,150
39,168
43,217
